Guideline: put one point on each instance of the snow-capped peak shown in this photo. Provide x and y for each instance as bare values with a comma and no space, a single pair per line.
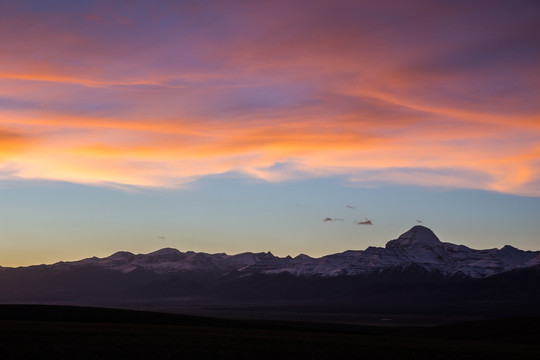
417,235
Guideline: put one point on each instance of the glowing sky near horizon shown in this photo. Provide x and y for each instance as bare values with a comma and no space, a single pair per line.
222,102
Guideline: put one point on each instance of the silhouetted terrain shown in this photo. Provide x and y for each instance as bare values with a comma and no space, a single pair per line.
29,331
409,290
416,275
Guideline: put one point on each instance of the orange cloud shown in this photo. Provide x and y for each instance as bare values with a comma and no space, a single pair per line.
12,144
164,99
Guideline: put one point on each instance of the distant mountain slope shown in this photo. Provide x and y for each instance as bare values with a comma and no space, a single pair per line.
414,273
418,246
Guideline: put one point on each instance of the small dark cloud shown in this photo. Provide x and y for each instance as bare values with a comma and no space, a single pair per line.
161,237
366,222
350,206
331,219
419,221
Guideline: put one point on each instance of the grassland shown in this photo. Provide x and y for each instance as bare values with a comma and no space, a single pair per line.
61,332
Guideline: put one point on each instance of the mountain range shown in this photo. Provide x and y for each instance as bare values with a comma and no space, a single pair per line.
415,272
419,246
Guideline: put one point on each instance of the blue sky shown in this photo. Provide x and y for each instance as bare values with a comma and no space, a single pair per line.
52,221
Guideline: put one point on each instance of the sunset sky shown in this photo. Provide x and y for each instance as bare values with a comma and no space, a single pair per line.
232,126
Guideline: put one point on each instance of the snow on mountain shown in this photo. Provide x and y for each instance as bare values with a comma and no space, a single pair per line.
419,246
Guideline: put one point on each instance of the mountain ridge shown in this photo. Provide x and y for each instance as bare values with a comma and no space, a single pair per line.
419,245
415,273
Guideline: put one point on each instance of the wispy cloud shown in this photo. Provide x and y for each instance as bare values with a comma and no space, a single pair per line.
331,219
160,96
13,144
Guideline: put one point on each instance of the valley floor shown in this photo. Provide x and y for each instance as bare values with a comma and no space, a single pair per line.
60,332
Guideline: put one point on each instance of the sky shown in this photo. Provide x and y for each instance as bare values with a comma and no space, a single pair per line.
233,126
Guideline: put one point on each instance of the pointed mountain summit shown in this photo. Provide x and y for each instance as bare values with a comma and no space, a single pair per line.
420,246
418,235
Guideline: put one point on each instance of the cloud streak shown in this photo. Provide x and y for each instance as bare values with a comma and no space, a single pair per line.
366,222
331,219
161,96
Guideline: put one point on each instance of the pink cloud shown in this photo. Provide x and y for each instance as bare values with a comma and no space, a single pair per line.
164,96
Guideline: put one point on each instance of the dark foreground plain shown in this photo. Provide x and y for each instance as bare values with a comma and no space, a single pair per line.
65,332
